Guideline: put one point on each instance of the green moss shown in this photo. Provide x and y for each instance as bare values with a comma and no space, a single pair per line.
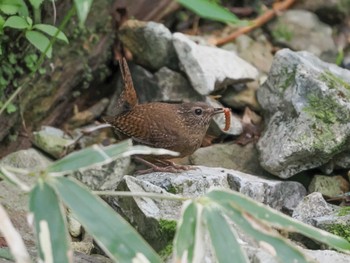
172,189
289,75
282,33
344,211
326,109
341,230
166,252
167,229
332,81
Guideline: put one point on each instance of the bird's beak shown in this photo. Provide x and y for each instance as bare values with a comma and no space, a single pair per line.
217,111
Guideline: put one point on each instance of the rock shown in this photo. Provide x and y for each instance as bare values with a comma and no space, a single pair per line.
302,30
14,200
326,256
52,141
219,120
311,207
74,227
330,186
104,177
174,87
229,156
210,69
150,43
335,223
277,194
153,218
257,52
306,105
241,99
83,258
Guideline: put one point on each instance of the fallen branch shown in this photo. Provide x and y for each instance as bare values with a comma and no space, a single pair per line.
258,22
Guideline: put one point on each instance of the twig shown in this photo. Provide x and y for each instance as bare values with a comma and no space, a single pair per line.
258,22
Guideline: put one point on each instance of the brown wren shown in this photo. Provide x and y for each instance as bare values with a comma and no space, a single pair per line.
178,127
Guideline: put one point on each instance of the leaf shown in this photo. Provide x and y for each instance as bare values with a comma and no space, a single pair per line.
97,154
13,238
272,217
224,238
11,108
9,9
83,8
36,3
188,242
16,22
50,224
115,236
39,41
2,22
210,10
51,31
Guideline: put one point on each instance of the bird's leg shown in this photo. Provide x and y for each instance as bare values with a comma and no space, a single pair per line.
169,167
177,166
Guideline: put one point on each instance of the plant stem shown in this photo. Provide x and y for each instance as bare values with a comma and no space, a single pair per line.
142,194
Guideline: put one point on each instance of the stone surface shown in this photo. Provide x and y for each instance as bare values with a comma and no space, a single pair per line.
52,141
229,156
330,186
153,218
306,105
150,43
257,52
281,195
105,176
14,200
313,206
236,127
209,68
327,256
302,30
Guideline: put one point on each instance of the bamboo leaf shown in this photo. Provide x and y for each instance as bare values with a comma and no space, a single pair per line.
115,236
50,224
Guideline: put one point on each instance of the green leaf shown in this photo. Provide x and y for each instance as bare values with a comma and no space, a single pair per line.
16,22
224,238
9,9
210,10
39,41
36,3
83,8
50,224
278,220
188,242
11,108
2,22
51,31
115,236
97,154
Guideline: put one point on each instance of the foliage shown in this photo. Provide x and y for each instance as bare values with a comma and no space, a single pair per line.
219,213
18,24
210,10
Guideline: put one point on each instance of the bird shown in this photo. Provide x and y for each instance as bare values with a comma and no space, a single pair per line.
178,127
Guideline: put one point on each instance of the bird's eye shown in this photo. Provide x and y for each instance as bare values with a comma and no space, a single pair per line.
198,111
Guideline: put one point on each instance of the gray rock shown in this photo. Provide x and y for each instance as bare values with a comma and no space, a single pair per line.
83,258
257,52
153,218
311,207
173,86
326,256
14,200
52,141
104,177
302,30
236,127
229,156
334,223
150,43
209,68
330,186
277,194
307,111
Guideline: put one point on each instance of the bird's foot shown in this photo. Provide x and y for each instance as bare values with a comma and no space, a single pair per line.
169,167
